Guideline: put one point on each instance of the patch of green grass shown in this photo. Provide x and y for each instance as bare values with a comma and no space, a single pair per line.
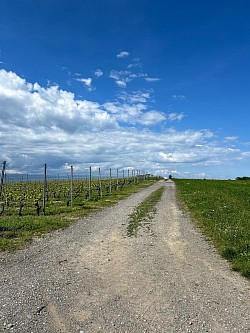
142,211
16,231
222,210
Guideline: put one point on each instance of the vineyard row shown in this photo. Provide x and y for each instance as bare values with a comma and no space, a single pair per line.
49,197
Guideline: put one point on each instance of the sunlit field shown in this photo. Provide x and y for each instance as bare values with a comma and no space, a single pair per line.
222,210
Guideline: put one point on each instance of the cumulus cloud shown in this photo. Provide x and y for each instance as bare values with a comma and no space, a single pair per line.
181,157
123,54
125,112
47,123
135,113
196,153
26,105
152,117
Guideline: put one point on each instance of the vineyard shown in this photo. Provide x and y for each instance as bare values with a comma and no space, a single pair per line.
30,208
50,197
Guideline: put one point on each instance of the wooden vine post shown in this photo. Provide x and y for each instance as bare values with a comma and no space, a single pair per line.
117,179
71,186
44,188
2,177
110,181
100,183
90,182
1,187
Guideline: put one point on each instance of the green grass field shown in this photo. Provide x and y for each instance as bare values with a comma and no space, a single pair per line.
222,210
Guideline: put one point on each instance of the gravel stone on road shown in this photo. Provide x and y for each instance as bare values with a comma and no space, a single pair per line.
92,277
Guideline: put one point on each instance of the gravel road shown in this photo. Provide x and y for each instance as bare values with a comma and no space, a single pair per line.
93,278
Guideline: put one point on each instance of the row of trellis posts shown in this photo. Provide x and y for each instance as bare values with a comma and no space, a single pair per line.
135,175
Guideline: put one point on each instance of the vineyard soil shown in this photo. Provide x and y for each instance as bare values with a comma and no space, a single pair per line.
93,277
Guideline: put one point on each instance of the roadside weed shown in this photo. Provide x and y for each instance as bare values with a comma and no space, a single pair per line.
143,210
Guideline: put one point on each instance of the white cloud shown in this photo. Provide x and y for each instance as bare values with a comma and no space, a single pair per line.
87,83
125,109
121,77
121,83
98,72
181,157
123,54
231,138
135,97
175,116
117,75
46,123
136,63
198,154
244,155
134,113
137,75
32,106
179,97
152,117
152,79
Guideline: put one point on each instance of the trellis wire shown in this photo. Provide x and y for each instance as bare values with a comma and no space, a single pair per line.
54,195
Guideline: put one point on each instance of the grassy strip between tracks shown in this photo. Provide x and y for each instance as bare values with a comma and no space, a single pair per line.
16,231
222,210
143,210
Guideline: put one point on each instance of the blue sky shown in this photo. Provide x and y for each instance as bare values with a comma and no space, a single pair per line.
159,86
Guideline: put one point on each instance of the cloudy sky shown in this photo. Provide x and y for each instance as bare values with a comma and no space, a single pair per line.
156,85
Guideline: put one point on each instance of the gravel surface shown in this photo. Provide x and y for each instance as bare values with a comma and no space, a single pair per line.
92,277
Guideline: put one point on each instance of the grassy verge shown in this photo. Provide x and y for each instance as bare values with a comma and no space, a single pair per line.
222,210
142,211
16,231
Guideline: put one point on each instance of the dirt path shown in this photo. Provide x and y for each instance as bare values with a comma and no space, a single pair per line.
93,278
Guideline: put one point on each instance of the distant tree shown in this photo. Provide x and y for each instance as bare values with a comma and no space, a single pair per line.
170,177
243,178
